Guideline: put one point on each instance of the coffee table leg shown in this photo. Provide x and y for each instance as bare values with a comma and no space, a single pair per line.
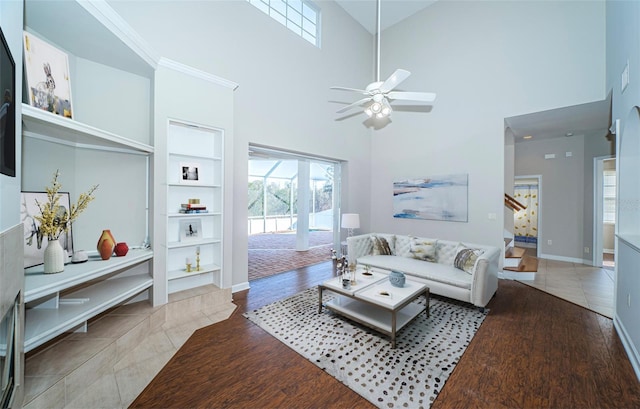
427,295
393,329
320,288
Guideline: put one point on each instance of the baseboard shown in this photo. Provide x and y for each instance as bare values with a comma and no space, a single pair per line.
566,259
632,352
517,275
240,287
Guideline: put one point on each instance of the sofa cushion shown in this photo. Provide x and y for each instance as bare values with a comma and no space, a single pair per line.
446,252
423,249
403,246
381,246
466,258
423,269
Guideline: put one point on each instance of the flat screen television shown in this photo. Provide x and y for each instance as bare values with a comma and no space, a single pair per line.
7,110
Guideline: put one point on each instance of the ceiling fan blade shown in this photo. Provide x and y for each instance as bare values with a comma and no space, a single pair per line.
361,91
355,104
412,96
396,78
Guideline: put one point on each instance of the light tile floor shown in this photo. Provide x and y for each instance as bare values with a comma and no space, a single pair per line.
110,364
588,286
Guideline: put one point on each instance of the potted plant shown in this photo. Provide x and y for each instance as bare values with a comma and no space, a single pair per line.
55,219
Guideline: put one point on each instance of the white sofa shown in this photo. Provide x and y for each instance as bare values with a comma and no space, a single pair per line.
432,261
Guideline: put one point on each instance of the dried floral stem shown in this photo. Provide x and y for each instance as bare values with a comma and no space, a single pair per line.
55,219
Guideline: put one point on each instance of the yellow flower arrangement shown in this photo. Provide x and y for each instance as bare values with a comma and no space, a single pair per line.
55,219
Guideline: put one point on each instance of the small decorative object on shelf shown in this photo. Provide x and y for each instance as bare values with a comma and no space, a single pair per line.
79,256
121,249
188,263
54,257
397,279
106,244
194,206
334,255
198,258
55,219
352,273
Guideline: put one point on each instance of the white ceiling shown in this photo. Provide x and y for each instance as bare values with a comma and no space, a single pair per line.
584,119
392,11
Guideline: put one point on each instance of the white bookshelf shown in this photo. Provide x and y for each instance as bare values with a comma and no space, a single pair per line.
202,147
58,303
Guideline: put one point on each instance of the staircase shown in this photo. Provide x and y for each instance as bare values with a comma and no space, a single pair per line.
517,265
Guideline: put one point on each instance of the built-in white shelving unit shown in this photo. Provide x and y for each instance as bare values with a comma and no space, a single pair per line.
197,150
108,143
61,302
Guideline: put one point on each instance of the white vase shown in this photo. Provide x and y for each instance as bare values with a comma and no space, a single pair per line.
54,257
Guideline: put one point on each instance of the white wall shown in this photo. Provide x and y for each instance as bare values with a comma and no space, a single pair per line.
11,23
486,61
623,44
284,98
562,193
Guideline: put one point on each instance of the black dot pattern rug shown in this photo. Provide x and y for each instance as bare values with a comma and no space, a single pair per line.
409,376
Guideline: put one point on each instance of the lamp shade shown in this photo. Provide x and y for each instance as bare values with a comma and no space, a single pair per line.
351,220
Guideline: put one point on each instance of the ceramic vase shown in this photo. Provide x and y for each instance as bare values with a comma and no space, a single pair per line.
54,256
121,249
106,244
397,279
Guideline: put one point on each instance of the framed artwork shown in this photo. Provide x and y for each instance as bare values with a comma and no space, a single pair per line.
48,80
432,198
190,230
190,173
34,242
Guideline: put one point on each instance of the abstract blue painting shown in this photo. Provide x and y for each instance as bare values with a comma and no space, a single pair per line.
432,198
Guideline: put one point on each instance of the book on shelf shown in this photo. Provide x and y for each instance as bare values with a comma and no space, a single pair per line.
190,211
192,206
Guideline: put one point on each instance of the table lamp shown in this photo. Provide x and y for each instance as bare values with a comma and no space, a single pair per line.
350,221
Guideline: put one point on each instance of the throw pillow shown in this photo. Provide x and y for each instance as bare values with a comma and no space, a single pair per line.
380,246
466,258
422,249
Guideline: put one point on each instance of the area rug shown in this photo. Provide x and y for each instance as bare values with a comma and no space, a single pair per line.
409,376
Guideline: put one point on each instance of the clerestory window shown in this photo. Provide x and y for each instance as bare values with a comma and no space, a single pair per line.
300,16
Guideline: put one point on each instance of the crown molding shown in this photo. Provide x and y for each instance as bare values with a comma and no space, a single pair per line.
104,13
194,72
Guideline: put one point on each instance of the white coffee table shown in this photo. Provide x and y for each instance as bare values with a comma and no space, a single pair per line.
374,302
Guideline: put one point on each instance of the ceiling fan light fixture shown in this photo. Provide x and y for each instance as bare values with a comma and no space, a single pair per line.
368,112
376,107
386,108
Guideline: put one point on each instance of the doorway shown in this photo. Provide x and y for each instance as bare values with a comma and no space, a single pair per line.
526,222
292,206
605,212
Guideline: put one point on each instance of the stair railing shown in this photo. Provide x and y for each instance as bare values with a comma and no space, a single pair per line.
513,204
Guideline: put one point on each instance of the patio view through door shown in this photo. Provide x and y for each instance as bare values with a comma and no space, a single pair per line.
292,202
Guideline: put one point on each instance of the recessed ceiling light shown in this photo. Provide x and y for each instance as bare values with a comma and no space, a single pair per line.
569,134
527,137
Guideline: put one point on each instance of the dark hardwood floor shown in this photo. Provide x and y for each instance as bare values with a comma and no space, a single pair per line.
532,351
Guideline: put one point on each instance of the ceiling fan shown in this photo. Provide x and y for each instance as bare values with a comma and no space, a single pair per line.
381,93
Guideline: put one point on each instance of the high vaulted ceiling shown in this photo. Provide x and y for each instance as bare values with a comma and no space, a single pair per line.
393,11
583,119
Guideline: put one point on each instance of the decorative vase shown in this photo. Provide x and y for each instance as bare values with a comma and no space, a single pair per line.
121,249
397,279
54,256
106,244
